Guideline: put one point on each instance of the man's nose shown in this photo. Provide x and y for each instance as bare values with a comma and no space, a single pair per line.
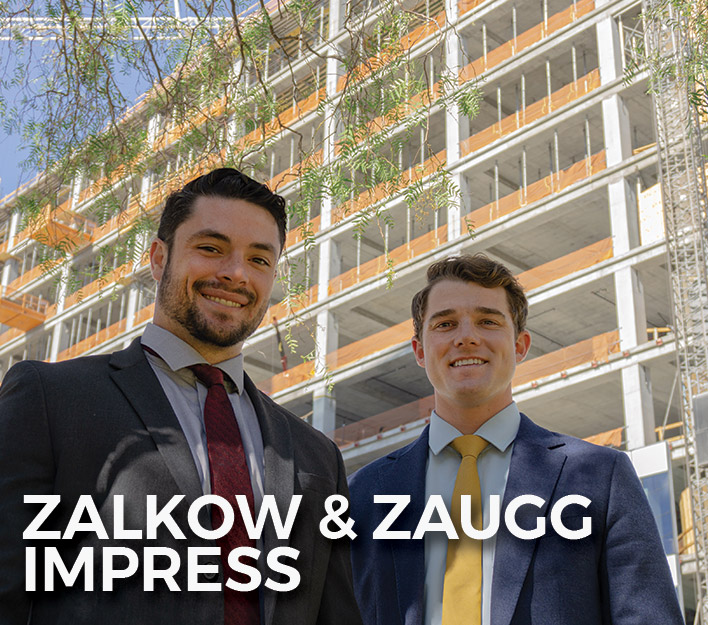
234,270
467,333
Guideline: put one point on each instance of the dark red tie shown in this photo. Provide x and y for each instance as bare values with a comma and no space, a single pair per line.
229,476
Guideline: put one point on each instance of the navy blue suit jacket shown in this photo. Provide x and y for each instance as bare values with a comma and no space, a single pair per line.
618,575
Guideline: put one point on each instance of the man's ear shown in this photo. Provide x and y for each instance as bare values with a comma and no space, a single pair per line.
523,343
158,258
418,351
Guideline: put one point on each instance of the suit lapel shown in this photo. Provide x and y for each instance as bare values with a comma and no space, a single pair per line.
405,475
136,379
536,464
279,469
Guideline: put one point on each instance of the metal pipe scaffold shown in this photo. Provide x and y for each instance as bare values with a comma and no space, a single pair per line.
683,183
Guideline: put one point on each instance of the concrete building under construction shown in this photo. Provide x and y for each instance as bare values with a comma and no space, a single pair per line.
560,179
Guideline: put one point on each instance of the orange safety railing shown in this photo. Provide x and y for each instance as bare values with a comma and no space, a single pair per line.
341,357
34,273
687,538
97,285
384,421
396,257
553,183
28,301
402,332
368,67
9,335
60,225
299,233
369,197
290,306
144,314
596,349
429,241
566,265
593,350
293,173
524,40
531,113
159,194
21,310
104,335
382,191
94,340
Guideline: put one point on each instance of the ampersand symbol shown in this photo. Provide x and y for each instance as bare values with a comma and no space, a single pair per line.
336,506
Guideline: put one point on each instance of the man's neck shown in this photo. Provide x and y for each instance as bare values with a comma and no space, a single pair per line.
213,354
468,419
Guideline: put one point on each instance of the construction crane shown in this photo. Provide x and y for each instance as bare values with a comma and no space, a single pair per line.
683,184
165,25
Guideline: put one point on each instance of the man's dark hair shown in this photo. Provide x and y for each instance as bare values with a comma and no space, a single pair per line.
227,183
481,270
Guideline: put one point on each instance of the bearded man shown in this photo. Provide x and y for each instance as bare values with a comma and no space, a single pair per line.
172,418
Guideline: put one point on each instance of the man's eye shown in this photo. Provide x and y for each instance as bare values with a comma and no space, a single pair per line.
209,248
261,261
444,324
491,322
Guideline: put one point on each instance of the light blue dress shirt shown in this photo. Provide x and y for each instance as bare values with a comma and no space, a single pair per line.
493,468
187,397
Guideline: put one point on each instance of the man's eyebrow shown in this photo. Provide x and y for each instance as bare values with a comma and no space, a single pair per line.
208,233
442,313
489,311
266,247
484,310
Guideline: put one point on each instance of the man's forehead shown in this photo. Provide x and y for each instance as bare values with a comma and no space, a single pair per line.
450,296
212,212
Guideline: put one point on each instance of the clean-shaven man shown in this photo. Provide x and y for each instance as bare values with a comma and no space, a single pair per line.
175,415
469,324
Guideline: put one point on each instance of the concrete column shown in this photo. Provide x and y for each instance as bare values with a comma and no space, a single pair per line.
631,313
336,15
76,189
608,47
9,269
323,400
638,407
329,265
624,223
456,124
324,409
636,381
59,336
131,306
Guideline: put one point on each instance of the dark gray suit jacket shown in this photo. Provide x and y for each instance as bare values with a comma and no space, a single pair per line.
102,426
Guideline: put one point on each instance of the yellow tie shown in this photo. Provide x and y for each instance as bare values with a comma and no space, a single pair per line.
462,590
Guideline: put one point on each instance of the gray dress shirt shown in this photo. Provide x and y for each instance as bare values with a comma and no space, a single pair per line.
187,397
493,468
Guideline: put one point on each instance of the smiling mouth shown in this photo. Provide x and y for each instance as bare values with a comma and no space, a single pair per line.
221,300
468,361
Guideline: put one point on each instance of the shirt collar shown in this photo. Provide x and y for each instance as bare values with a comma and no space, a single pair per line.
177,354
499,431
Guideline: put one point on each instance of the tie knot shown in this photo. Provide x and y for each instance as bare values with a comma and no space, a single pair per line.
208,375
469,445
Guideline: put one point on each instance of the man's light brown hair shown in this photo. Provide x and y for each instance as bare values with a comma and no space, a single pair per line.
481,270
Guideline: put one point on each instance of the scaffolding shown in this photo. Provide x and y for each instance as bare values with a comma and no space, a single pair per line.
683,183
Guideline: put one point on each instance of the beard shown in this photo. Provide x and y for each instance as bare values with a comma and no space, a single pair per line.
186,312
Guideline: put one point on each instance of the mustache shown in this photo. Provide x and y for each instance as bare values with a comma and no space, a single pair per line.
200,284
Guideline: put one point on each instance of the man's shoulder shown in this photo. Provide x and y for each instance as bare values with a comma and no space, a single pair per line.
72,368
84,371
369,476
571,445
